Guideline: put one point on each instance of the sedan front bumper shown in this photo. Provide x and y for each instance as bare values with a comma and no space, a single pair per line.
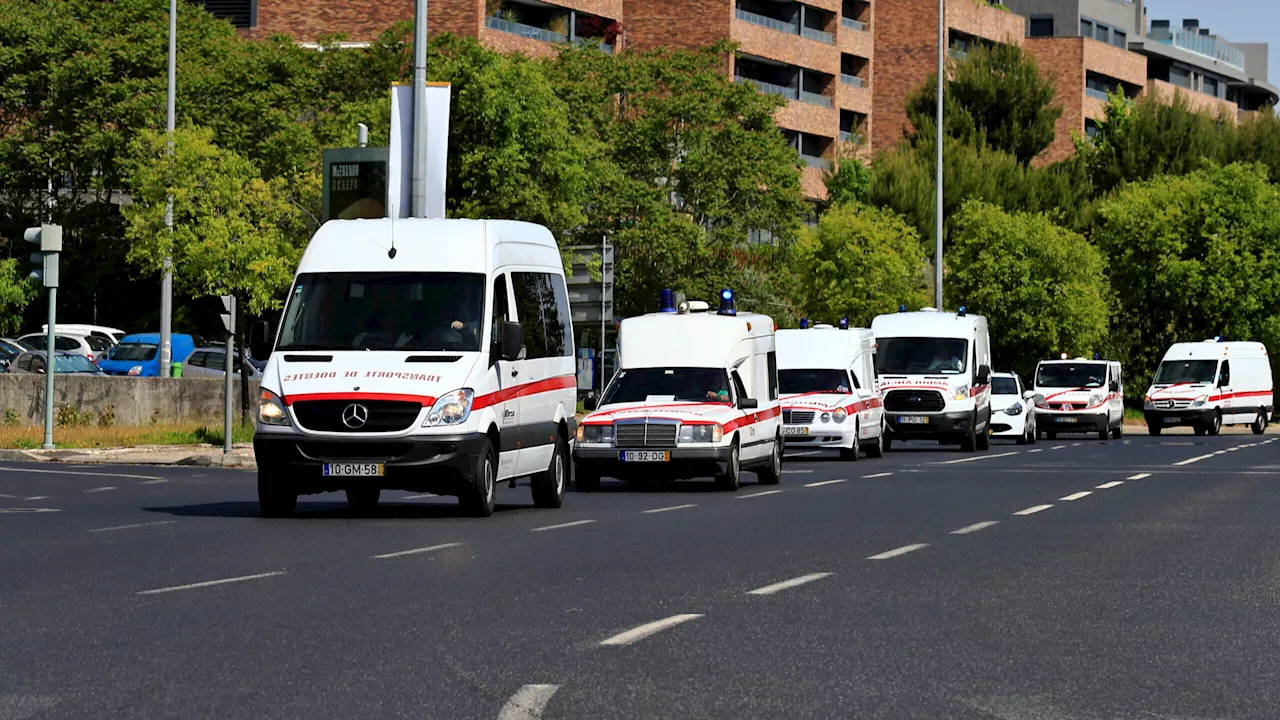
682,463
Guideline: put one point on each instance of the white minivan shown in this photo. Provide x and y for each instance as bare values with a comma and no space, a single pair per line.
422,355
1210,384
1080,396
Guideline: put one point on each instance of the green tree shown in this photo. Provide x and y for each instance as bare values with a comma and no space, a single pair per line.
1193,256
860,261
16,292
995,96
849,180
1257,140
1043,288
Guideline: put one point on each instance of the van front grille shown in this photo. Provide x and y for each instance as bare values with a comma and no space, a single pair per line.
914,401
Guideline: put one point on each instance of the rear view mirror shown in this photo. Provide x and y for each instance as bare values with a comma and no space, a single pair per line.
1029,395
590,403
748,403
984,375
1114,386
260,339
511,342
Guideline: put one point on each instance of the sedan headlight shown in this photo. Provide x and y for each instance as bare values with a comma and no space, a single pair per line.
1200,401
452,408
840,415
826,417
1014,409
595,433
961,393
700,433
271,410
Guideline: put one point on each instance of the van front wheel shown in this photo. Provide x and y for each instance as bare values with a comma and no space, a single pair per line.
1259,425
478,498
548,487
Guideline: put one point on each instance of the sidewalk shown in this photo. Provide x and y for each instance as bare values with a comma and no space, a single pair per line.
189,455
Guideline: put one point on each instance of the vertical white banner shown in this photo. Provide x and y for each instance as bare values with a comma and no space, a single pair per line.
400,162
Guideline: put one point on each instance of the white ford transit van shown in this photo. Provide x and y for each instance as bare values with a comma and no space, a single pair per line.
935,374
1210,384
695,395
829,396
422,355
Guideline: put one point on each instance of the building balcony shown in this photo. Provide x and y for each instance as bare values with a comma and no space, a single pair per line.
770,89
783,26
1096,94
816,99
1208,46
853,80
849,23
526,31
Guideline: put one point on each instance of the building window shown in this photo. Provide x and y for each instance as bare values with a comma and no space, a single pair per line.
1210,86
1119,38
1102,33
1091,129
238,12
1042,26
1086,28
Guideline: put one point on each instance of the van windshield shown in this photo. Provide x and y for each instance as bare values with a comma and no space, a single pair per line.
1185,371
135,352
792,382
668,384
1071,375
385,311
921,355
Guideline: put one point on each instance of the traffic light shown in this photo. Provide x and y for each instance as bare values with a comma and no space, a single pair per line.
49,239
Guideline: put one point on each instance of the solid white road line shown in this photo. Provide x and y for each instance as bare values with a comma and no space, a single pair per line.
1192,460
975,458
804,454
974,527
76,472
796,472
1139,476
899,551
528,703
415,551
876,475
210,583
1033,510
157,481
667,509
785,584
136,525
759,494
639,633
1077,496
825,482
563,525
1108,486
102,489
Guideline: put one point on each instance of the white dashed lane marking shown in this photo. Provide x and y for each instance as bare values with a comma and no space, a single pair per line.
1033,510
416,551
102,489
1077,496
1057,447
1139,476
787,584
1189,461
797,472
637,634
888,554
1035,451
975,527
668,509
135,525
210,583
575,523
975,458
1109,485
876,475
759,494
825,482
528,703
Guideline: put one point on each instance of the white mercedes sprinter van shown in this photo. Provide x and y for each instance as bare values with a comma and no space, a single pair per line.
421,355
1210,384
935,374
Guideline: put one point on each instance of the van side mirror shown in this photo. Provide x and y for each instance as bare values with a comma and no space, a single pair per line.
1114,386
260,339
748,403
511,341
984,375
1029,395
590,403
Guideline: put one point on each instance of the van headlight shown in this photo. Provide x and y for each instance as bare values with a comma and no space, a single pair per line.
452,408
839,415
961,393
1095,399
1200,401
1014,409
1147,404
595,433
271,410
700,433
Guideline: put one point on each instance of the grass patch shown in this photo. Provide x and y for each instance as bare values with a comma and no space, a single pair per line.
30,437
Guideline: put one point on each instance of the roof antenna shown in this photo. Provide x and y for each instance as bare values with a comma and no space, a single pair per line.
392,252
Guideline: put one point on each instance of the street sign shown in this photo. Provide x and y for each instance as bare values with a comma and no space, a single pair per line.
228,317
590,283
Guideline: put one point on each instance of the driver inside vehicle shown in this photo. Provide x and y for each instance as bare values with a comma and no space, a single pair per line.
951,364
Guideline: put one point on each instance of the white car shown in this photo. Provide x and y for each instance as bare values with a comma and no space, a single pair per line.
92,347
212,363
1013,408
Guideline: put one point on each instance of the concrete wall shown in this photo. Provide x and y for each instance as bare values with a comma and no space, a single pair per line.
134,401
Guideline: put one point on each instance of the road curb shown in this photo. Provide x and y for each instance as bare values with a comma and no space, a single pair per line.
229,461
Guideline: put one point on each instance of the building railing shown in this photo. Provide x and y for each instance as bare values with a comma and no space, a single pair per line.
853,80
1205,45
597,43
816,162
769,88
766,21
815,98
529,31
852,24
821,36
1096,94
851,137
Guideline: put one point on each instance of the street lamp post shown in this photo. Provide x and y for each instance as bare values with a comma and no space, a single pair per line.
418,190
937,250
166,283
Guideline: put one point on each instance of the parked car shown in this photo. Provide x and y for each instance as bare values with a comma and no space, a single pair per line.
92,347
212,363
9,349
110,334
138,355
65,363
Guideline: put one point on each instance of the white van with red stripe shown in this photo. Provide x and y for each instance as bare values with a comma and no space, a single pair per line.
1080,396
695,395
828,381
421,355
1209,384
934,372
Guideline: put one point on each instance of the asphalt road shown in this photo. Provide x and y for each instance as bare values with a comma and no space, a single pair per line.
1069,580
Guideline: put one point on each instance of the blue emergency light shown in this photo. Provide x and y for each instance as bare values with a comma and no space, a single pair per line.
804,323
902,308
1097,356
963,310
726,303
844,323
1217,338
667,301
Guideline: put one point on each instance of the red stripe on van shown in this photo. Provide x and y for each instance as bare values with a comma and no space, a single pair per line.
562,382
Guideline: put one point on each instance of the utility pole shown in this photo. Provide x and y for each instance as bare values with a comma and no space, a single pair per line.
229,322
937,251
48,238
166,283
418,190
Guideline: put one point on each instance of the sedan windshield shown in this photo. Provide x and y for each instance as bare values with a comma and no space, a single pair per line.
1004,386
385,311
921,355
668,384
814,381
1186,371
73,364
132,352
1071,375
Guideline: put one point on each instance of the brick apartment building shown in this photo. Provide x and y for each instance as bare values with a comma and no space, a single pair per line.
845,66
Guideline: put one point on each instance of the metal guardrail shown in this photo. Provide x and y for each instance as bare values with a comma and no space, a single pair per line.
852,24
529,31
821,36
815,98
771,23
853,80
770,88
1205,45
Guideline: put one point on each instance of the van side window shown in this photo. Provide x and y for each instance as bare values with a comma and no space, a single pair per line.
542,302
738,387
772,365
854,374
1226,372
499,312
561,317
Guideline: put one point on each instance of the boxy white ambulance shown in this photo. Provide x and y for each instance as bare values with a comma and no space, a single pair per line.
1210,384
695,395
1080,396
828,381
935,376
421,355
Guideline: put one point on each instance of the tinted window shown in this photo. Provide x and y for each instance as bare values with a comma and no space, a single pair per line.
1224,376
772,361
196,360
542,304
32,342
62,342
1004,386
1086,28
676,384
738,387
384,311
97,343
24,362
500,312
1071,375
903,356
37,363
1185,371
1042,27
562,316
1119,38
133,352
814,381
